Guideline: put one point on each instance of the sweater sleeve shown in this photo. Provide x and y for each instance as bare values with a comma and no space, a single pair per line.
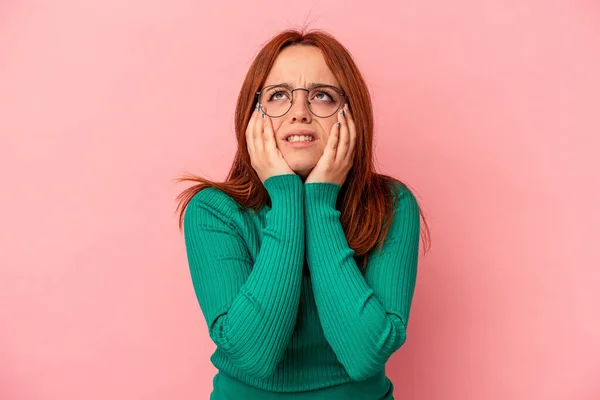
364,318
250,306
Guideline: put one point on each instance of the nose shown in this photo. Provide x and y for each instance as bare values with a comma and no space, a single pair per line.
299,110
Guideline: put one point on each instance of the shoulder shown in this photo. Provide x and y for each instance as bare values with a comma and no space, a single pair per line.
211,201
405,207
402,194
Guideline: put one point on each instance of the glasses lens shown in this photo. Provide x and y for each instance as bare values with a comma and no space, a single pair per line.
324,101
276,99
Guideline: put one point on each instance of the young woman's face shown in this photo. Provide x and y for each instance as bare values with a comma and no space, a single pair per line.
301,66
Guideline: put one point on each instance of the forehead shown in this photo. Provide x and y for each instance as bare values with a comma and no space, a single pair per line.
300,65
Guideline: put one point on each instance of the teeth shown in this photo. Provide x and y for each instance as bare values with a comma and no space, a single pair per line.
297,138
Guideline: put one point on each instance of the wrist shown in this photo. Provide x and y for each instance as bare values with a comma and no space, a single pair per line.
321,193
284,188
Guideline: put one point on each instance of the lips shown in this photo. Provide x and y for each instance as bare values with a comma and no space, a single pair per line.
301,133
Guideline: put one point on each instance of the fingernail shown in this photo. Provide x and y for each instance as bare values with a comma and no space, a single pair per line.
259,107
263,115
339,125
343,113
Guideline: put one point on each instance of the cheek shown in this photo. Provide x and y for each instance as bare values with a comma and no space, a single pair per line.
327,126
276,124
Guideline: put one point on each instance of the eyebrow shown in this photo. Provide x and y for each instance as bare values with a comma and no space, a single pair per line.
311,85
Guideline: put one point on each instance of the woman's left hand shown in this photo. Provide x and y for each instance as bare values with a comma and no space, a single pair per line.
336,161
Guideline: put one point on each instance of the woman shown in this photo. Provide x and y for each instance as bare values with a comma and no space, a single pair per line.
304,261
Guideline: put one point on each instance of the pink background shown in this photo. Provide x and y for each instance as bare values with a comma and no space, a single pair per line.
488,109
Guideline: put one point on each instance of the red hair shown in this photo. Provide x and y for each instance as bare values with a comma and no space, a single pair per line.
365,200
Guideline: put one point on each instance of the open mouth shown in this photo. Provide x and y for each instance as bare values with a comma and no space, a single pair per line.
300,139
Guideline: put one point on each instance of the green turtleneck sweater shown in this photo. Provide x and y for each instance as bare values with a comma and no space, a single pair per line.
284,301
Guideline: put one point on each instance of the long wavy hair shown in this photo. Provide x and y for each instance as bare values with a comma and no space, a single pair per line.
365,201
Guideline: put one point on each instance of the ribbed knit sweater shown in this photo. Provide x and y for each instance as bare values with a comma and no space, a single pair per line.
285,303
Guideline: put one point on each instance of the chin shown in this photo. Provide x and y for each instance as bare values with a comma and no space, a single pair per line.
301,168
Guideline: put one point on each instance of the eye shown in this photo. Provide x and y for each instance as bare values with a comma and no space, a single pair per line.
276,94
322,96
279,95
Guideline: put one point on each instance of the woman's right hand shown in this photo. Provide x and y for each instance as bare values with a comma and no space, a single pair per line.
266,159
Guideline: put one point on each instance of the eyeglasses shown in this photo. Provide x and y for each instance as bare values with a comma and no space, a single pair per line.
322,101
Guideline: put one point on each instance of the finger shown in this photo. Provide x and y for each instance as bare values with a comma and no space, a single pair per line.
332,142
351,130
344,141
258,131
250,131
269,133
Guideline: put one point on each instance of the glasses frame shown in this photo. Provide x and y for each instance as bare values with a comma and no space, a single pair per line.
342,94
